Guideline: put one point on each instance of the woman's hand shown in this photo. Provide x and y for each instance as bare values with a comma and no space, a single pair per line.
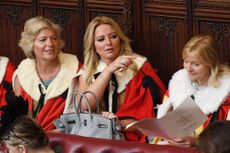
188,141
109,115
120,63
123,123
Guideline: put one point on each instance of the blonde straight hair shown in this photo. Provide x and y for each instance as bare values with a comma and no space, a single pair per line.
205,47
91,58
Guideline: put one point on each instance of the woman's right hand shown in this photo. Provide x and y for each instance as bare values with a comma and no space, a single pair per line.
109,115
120,63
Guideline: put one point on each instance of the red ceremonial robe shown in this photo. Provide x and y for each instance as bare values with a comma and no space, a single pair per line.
134,101
56,92
214,102
222,113
6,72
138,102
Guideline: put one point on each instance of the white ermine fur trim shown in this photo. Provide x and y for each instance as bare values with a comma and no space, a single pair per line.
3,64
207,98
29,79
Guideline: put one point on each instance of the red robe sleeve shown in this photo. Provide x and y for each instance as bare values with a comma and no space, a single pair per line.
52,110
223,111
9,72
138,102
7,77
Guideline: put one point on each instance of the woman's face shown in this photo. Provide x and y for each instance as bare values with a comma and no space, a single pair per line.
197,71
46,45
106,43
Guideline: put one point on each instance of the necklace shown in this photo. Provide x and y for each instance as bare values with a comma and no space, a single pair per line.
51,77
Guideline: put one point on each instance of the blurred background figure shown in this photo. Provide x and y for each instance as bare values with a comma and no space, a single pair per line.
44,76
18,132
26,136
215,138
125,83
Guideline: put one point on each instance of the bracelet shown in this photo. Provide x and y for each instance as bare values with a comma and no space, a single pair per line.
103,77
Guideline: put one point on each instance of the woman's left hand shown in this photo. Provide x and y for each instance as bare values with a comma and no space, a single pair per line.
120,63
109,115
188,141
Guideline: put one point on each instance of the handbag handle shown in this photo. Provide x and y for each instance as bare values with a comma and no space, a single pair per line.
95,98
78,105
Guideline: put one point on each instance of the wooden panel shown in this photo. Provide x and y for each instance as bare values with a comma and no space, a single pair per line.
120,10
212,9
165,7
165,33
67,15
105,5
213,17
111,8
15,2
158,28
13,15
221,32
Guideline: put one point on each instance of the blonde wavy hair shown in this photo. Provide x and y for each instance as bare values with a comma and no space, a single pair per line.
32,28
205,48
91,58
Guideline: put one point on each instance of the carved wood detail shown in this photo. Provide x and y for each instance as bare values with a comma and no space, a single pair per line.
14,13
127,17
168,26
158,29
218,30
60,16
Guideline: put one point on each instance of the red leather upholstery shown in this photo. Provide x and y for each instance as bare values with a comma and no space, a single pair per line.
76,144
2,149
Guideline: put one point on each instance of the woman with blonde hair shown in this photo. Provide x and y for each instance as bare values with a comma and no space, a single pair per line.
44,76
204,78
125,83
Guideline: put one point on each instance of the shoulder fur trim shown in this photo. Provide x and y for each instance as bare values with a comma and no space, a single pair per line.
29,79
3,65
208,98
124,77
180,87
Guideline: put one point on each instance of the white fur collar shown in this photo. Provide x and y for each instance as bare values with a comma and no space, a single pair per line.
3,65
29,79
207,98
124,77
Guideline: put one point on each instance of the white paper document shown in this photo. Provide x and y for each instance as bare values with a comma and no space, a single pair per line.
179,123
228,116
